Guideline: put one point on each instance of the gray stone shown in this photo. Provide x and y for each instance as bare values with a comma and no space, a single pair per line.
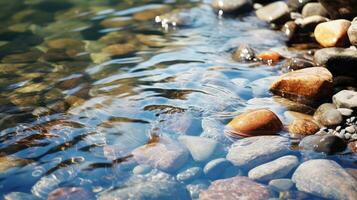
308,142
216,168
330,144
278,168
352,32
325,178
20,196
253,151
238,187
232,6
276,12
296,63
142,169
156,185
201,148
308,24
244,53
189,174
297,5
281,185
339,61
345,111
345,99
166,155
327,115
314,8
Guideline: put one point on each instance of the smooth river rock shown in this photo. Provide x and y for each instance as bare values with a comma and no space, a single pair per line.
254,123
310,84
339,61
166,154
303,127
201,148
327,115
330,144
345,99
281,185
219,168
253,151
276,12
325,178
232,6
314,8
332,33
238,187
278,168
352,32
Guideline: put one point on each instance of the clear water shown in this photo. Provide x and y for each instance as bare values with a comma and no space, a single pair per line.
61,114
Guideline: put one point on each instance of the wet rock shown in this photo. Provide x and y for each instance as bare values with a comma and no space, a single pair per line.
330,144
179,17
116,22
352,32
254,123
346,9
278,168
325,178
296,63
28,57
232,6
308,24
215,169
269,56
244,53
111,38
253,151
290,29
64,43
152,40
353,146
70,193
345,99
214,129
327,115
297,5
156,185
308,142
293,106
293,115
302,127
276,12
20,195
150,14
8,162
314,8
166,155
196,187
142,169
238,187
339,61
305,85
189,174
332,33
281,185
201,148
119,49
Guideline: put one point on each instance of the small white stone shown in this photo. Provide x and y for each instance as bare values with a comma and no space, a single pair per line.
345,111
343,131
338,128
354,136
347,136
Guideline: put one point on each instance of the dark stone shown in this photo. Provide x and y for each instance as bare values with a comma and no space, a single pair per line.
28,57
330,144
339,61
290,29
297,63
337,9
232,6
244,53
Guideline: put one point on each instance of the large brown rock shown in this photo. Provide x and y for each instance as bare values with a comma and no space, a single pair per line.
238,187
332,33
305,85
255,123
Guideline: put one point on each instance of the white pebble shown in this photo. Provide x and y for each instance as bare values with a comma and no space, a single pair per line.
354,136
350,129
348,136
338,128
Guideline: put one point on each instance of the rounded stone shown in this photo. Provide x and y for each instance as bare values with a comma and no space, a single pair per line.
254,123
215,168
330,144
293,64
345,99
314,8
276,12
189,174
244,53
303,127
281,185
332,33
327,115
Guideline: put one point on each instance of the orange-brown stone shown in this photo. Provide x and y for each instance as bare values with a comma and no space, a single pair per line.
303,127
309,84
255,123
